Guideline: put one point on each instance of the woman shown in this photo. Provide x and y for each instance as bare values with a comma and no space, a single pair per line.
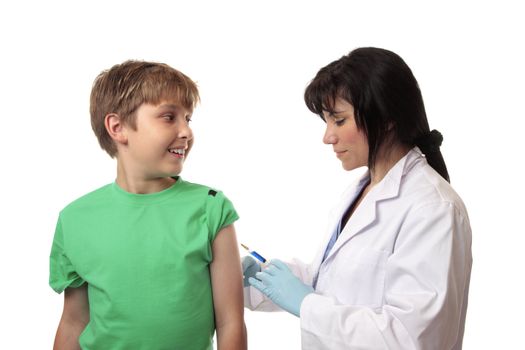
394,271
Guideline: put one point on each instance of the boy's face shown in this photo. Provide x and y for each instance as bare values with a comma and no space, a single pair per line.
160,142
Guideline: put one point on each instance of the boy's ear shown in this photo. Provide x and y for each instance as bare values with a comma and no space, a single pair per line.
115,128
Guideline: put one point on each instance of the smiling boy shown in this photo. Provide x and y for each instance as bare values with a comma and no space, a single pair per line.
149,261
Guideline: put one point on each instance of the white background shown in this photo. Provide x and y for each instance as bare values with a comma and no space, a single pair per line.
255,139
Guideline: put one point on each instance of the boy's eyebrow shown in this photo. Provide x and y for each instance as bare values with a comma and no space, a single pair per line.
173,107
170,106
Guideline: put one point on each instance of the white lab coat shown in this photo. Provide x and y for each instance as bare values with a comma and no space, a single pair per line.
397,276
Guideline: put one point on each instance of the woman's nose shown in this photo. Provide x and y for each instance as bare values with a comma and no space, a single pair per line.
329,138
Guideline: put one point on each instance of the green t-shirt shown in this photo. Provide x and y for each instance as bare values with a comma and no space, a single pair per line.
146,261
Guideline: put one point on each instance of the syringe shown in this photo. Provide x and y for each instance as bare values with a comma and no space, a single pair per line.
254,254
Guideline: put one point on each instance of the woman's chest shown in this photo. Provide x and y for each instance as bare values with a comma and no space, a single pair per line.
355,270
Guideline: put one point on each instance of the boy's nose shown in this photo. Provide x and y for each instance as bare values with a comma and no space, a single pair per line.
185,132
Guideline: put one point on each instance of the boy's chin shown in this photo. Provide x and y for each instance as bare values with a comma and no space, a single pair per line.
175,174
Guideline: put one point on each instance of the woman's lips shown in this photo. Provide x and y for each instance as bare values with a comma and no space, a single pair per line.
339,153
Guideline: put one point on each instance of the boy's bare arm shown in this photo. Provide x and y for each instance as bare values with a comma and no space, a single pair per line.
226,278
74,318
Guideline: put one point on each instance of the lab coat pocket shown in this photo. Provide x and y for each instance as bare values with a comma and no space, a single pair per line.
361,276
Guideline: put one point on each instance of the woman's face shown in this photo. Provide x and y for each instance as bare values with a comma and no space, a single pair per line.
349,143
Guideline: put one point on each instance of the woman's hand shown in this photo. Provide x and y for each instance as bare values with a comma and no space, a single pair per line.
279,284
249,268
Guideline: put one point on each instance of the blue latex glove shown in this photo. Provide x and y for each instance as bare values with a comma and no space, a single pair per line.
249,268
279,284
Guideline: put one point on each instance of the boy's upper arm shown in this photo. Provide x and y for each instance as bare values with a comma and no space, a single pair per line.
74,319
76,305
62,273
226,278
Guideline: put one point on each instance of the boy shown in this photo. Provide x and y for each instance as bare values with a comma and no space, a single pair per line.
149,261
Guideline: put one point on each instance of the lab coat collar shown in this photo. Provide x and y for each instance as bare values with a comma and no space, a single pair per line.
366,213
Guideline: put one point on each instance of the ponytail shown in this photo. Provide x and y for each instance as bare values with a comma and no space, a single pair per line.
429,144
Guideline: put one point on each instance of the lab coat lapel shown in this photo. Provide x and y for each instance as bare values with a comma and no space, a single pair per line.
346,199
366,213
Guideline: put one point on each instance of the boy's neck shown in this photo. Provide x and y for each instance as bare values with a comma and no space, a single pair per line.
142,185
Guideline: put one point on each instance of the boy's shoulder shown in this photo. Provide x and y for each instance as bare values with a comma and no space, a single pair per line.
105,195
199,188
88,199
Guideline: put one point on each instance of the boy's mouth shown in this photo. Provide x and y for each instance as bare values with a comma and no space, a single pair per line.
178,152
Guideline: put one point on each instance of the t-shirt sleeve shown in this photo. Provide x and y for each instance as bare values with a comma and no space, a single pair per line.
62,273
220,212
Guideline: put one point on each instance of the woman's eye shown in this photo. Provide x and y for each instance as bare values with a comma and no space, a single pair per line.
339,122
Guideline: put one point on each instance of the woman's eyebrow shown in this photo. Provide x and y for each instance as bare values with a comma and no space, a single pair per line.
335,113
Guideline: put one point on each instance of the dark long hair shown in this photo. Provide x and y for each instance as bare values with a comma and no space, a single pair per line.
386,98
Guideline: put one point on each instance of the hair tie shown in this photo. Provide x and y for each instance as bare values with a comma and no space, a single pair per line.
429,142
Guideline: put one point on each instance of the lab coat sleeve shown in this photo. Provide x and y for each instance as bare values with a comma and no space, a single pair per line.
425,291
256,301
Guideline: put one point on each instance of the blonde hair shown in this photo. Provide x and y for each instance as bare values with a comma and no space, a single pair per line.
126,86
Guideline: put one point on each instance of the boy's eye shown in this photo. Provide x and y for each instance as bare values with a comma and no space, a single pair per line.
188,119
168,117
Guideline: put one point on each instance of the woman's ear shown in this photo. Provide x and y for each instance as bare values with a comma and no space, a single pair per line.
115,128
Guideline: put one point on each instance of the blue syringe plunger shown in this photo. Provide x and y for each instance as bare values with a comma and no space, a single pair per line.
254,254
